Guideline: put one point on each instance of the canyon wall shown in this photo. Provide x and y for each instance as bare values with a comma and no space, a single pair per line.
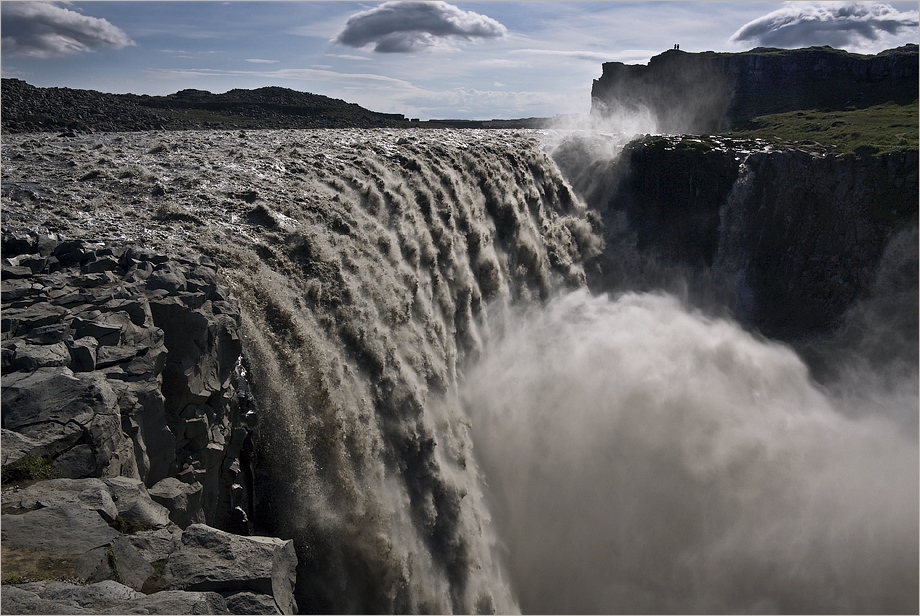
789,238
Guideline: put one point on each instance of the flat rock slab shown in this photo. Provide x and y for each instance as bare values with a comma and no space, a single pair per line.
58,529
91,494
106,597
211,559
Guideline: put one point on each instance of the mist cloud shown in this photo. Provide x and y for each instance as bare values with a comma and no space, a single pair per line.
43,30
838,24
400,27
645,459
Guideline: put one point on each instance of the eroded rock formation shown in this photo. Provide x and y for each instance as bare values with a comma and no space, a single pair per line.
127,435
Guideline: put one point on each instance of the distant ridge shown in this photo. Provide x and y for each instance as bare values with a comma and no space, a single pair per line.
27,108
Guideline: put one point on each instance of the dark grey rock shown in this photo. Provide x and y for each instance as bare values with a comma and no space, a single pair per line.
106,334
78,461
15,271
37,315
156,545
58,529
104,264
15,446
167,277
69,252
210,559
134,503
57,408
19,600
48,334
119,561
91,494
250,603
106,597
30,357
110,355
181,499
83,354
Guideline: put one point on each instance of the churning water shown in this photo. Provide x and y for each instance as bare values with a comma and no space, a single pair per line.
452,422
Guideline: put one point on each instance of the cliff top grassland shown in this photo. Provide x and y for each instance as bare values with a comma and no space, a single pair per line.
879,129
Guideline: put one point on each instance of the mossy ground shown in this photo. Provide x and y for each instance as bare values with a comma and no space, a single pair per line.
28,565
882,128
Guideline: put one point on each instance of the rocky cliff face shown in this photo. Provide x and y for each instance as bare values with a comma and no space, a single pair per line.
127,437
790,238
708,92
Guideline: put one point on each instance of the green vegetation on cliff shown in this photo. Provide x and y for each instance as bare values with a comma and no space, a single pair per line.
883,128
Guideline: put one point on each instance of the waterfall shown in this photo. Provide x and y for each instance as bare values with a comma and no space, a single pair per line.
477,394
366,293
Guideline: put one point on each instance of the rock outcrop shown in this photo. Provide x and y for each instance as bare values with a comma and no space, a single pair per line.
127,435
790,237
708,92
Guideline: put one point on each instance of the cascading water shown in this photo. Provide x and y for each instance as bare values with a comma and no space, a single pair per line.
451,421
361,314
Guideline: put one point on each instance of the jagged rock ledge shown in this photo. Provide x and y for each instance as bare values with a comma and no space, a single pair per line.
128,434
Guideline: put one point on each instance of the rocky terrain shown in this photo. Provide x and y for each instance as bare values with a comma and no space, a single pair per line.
127,438
708,92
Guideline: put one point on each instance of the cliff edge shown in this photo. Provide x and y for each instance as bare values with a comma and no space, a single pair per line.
709,92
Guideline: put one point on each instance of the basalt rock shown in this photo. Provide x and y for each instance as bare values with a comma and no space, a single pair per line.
129,390
788,237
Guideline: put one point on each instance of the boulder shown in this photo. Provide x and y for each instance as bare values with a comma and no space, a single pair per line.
156,545
120,561
134,504
211,559
57,409
183,501
30,357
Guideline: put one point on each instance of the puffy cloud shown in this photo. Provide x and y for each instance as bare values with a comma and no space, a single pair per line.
399,27
42,30
839,24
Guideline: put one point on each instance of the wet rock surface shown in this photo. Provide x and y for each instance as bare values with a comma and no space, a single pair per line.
121,426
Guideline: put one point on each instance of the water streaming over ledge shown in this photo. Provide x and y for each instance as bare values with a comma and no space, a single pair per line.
426,358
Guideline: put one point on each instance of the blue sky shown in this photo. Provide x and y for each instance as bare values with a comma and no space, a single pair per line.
476,60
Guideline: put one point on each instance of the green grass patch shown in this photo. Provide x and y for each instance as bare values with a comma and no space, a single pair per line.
879,129
29,468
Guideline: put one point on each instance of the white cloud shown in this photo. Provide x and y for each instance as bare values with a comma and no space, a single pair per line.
845,25
43,30
260,61
588,56
400,27
345,56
